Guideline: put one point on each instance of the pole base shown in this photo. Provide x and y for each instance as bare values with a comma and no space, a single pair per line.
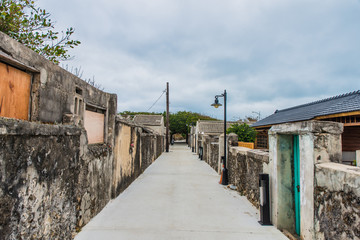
224,180
264,224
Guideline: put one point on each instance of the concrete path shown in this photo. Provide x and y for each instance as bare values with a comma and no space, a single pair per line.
178,197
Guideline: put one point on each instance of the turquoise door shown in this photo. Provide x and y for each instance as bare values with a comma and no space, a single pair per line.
297,183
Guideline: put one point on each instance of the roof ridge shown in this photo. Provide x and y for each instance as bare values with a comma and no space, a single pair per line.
320,101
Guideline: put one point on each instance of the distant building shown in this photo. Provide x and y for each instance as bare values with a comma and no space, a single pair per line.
154,122
211,127
343,108
206,127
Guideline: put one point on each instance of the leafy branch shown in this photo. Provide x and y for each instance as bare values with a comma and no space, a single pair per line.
32,26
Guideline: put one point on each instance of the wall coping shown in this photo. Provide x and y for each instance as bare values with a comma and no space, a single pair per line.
130,123
250,152
305,127
338,177
9,126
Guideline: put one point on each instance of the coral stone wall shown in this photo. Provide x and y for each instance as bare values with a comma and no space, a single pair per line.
244,167
214,156
337,201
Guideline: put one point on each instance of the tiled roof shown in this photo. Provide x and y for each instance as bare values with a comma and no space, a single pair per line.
348,102
149,120
212,126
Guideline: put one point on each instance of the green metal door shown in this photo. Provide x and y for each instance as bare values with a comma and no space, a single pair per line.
297,183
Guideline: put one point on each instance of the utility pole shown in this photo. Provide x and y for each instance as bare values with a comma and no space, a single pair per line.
167,117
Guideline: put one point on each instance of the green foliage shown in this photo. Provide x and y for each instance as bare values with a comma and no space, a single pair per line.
245,132
32,26
181,121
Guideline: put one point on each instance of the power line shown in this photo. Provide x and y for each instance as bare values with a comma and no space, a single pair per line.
157,100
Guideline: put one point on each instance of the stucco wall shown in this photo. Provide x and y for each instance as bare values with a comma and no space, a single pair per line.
135,149
337,201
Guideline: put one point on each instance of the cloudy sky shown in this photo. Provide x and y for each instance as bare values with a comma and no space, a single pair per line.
268,55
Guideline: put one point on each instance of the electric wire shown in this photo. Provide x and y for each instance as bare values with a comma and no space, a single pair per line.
156,100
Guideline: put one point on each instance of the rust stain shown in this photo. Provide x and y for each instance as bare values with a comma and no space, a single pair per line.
11,86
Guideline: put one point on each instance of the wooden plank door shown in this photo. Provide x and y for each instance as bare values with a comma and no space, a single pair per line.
94,126
14,92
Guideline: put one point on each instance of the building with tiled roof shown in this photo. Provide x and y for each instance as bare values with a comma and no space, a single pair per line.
154,122
211,127
345,105
343,108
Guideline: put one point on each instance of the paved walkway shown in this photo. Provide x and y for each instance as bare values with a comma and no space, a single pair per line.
178,197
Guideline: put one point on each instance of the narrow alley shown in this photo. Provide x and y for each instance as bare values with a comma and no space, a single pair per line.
178,197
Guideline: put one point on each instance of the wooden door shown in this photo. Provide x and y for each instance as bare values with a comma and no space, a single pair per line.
94,126
14,92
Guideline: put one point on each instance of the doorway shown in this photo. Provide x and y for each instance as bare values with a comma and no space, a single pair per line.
296,185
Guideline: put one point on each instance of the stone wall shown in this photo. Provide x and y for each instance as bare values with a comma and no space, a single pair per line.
52,182
337,201
244,167
42,177
213,160
206,147
244,164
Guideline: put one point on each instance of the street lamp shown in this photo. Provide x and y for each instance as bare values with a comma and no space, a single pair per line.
216,104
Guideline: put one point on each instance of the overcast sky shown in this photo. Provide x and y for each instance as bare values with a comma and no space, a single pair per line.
268,55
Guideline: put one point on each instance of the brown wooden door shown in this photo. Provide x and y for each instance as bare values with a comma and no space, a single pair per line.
94,126
14,92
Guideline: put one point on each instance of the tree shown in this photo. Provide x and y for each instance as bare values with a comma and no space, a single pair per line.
32,26
245,132
181,121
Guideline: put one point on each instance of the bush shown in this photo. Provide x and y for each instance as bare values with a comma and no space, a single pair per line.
245,132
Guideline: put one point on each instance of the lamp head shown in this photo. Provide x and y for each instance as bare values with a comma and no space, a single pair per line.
216,104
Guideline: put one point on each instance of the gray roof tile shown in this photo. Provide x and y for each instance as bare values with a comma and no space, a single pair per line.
338,104
149,120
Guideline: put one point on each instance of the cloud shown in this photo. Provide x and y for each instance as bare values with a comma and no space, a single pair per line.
267,54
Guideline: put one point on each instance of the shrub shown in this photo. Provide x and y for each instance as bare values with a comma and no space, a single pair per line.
245,132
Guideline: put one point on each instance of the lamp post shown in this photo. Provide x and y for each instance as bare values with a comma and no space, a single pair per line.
216,104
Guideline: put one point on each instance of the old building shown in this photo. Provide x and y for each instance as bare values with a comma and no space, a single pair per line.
154,122
343,108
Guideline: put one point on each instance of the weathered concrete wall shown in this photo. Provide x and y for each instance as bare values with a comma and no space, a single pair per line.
244,167
45,180
53,182
337,201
